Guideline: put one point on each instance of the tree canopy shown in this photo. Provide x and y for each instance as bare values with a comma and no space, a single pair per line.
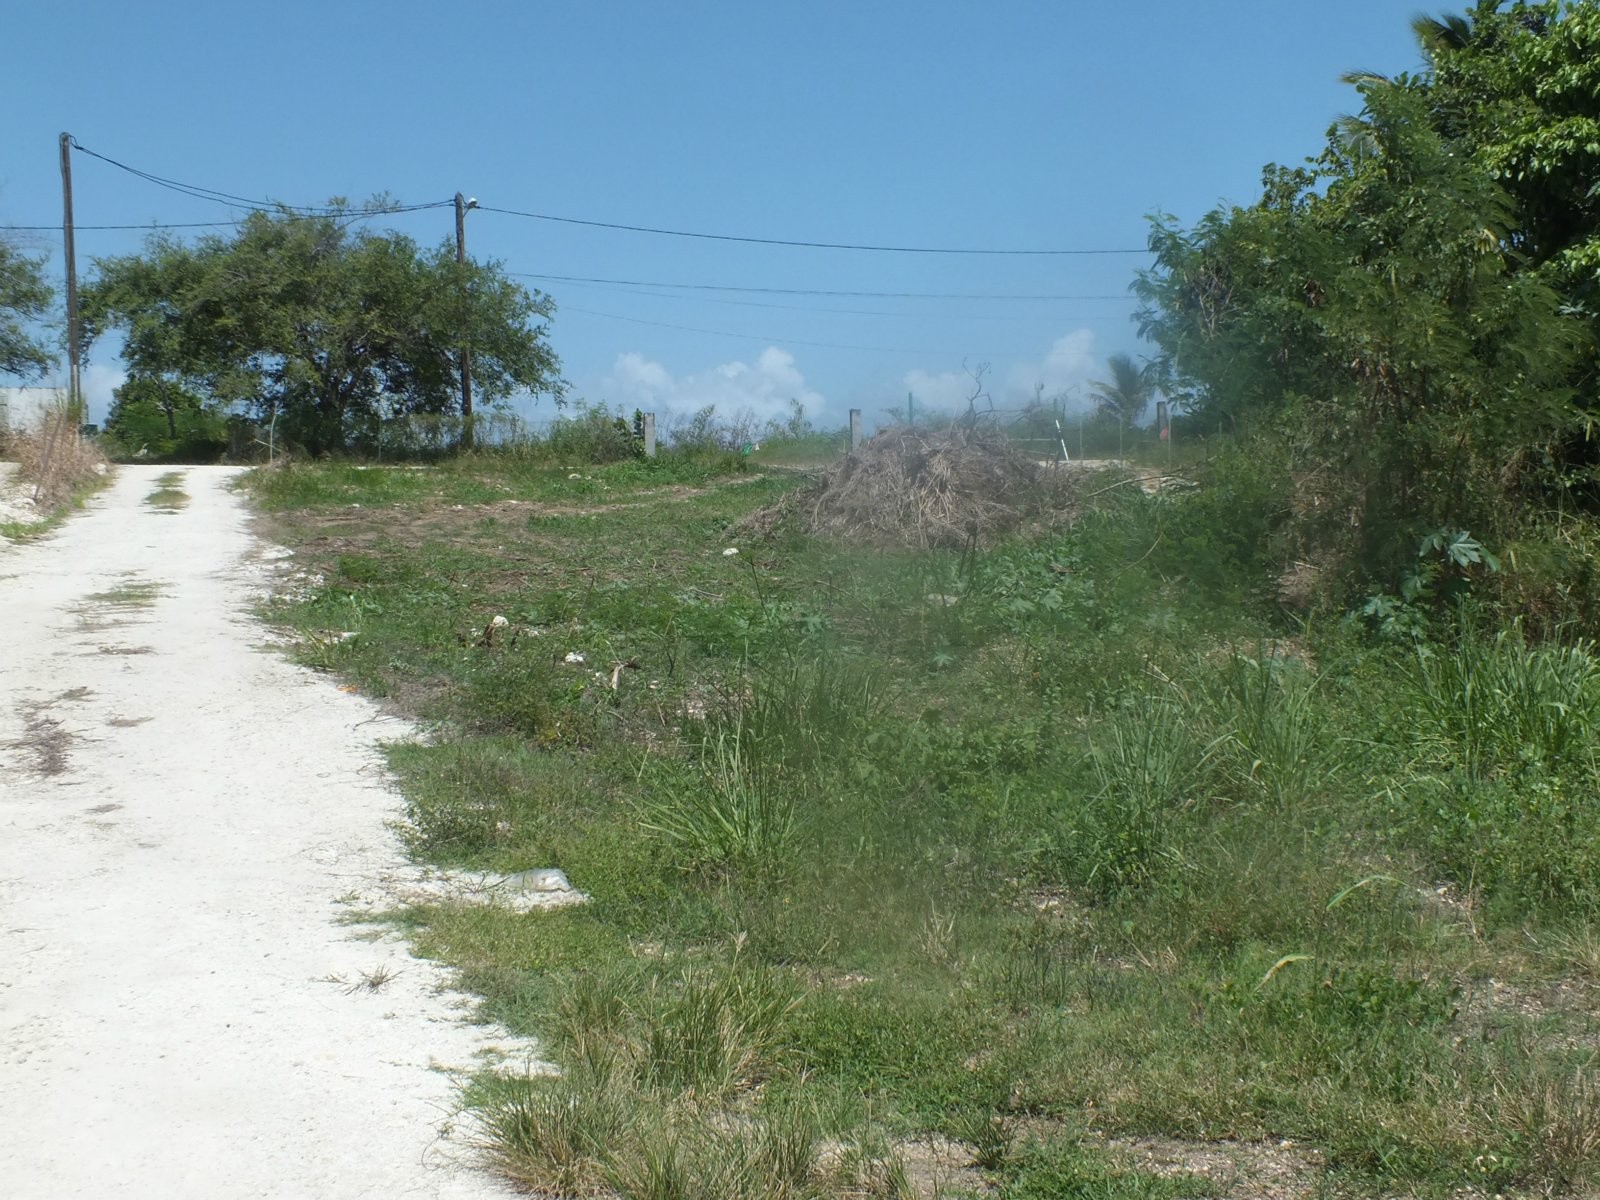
24,297
1413,311
323,323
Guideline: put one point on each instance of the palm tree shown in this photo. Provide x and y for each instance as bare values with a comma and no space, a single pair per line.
1127,394
1436,37
1439,35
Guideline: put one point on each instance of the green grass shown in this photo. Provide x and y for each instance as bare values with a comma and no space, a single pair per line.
133,594
1022,851
168,495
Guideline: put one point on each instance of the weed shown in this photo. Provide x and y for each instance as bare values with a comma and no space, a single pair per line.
374,980
726,817
711,1034
169,495
1151,767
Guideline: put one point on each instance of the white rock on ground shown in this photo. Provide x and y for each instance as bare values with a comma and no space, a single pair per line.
16,500
182,1013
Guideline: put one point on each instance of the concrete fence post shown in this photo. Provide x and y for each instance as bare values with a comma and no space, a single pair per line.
649,435
855,430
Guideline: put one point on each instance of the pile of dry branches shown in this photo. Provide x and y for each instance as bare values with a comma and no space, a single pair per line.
925,488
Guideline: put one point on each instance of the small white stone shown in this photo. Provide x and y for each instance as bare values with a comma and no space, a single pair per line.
573,657
730,552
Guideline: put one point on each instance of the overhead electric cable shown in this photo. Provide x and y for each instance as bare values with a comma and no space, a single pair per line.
766,241
198,192
147,225
805,308
718,287
749,337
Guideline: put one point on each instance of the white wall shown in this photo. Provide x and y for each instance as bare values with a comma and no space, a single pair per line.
21,407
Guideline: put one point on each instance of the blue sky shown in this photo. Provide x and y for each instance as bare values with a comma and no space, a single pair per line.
943,123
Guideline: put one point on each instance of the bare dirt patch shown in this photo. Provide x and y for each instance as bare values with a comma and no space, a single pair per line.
1242,1170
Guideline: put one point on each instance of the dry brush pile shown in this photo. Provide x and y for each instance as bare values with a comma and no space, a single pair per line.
920,488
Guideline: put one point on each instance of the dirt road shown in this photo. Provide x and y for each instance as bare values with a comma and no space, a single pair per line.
182,1014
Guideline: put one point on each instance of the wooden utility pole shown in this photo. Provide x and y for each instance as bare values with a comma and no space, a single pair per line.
462,205
74,387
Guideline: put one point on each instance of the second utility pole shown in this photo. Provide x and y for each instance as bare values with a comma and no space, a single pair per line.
462,204
75,389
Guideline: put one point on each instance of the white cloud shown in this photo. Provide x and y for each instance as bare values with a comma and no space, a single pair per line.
762,388
1066,368
945,392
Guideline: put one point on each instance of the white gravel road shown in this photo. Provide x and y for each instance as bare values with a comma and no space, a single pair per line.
182,1012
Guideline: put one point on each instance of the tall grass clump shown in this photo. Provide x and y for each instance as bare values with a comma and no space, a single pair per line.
1503,771
1275,740
709,1034
1547,1111
557,1136
659,1096
802,713
1491,704
1151,768
723,817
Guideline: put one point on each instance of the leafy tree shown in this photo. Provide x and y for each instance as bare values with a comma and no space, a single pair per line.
162,419
1127,394
24,297
1399,311
326,325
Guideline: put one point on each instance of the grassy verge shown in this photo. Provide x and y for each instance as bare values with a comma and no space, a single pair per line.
1056,869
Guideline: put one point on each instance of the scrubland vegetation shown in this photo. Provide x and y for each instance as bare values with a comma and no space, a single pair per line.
1229,830
964,870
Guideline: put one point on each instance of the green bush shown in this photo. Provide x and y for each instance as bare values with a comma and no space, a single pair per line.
593,434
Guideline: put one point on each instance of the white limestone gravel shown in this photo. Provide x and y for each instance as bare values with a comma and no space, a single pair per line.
184,816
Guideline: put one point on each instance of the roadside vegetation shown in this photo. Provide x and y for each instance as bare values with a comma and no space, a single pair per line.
1224,829
57,470
969,870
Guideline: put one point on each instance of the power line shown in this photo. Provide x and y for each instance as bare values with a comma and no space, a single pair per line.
187,189
718,287
198,192
765,241
749,337
149,225
806,308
